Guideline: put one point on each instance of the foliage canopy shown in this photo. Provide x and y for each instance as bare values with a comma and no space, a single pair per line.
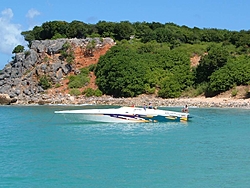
155,57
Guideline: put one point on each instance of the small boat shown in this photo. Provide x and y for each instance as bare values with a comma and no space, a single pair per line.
128,114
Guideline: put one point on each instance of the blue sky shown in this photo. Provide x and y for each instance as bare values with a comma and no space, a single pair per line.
17,17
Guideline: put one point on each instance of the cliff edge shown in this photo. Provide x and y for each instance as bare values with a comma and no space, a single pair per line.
19,80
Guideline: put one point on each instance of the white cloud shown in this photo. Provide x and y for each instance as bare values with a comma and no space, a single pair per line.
32,13
7,14
10,33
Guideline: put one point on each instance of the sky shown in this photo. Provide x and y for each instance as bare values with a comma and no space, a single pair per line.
18,16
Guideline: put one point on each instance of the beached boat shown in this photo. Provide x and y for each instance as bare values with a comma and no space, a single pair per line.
128,114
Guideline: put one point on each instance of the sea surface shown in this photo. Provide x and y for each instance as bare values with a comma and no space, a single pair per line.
41,149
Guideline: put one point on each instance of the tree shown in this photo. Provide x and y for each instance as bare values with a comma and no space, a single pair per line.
235,72
44,82
130,69
18,49
77,29
119,73
171,88
124,30
50,29
106,29
217,57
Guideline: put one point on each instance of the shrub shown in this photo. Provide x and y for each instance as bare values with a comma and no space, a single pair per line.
170,88
44,82
57,85
92,67
18,49
149,90
91,92
98,92
67,53
75,92
195,91
79,80
234,91
189,92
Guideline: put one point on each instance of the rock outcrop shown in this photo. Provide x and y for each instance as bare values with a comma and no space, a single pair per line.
20,78
5,99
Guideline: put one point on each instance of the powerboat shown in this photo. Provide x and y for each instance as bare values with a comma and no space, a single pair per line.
128,114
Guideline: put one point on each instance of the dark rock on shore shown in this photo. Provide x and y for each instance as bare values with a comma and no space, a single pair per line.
6,100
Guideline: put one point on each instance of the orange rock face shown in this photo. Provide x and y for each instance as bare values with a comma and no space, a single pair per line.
81,61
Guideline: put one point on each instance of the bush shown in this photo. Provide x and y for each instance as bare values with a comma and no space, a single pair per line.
79,80
149,90
75,92
18,49
189,92
92,67
91,92
67,53
234,91
235,72
44,82
57,85
98,92
195,91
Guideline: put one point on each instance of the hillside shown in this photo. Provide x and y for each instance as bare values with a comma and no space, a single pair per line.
44,61
20,78
82,61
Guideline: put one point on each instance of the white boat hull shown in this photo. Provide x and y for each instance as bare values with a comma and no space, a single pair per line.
128,114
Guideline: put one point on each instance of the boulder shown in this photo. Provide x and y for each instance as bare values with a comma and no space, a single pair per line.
5,99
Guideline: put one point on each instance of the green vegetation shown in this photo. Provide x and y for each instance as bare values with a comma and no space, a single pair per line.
67,53
91,92
154,58
26,53
133,71
90,49
92,67
75,92
18,49
235,72
57,85
44,82
234,91
80,80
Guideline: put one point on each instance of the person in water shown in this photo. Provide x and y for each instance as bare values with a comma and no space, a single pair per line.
185,109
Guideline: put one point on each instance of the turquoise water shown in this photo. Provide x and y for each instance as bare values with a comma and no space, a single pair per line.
41,149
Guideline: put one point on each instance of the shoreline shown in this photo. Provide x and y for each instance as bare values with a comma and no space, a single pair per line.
198,102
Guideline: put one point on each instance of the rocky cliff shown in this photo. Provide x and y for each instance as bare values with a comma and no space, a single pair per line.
19,80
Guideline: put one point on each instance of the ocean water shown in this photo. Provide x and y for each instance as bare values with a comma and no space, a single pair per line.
41,149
